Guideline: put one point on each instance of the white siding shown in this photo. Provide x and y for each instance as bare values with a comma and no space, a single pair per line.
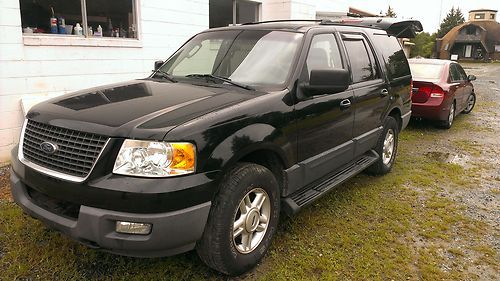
31,71
30,68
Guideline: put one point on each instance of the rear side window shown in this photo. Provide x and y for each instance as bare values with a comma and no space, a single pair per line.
455,74
462,72
362,64
395,59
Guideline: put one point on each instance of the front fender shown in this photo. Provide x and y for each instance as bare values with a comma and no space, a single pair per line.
246,140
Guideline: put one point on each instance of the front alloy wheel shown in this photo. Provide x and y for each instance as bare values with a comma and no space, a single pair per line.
242,221
251,220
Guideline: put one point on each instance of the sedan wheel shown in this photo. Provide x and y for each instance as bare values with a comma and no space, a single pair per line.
471,101
451,117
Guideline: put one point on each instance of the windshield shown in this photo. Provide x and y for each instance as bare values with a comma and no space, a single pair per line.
422,71
250,57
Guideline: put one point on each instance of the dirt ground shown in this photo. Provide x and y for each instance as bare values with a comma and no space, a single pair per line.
436,216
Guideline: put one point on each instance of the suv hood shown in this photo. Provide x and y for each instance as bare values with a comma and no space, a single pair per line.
139,108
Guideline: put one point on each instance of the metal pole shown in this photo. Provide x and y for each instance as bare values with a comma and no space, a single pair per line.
234,12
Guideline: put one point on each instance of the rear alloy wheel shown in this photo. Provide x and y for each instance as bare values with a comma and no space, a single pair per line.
471,101
451,116
387,147
242,221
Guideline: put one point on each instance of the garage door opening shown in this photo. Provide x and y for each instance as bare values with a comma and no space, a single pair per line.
227,12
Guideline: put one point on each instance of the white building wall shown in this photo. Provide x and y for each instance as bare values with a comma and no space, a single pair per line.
300,9
34,70
36,67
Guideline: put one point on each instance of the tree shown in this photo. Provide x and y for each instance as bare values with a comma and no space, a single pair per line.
452,19
390,13
424,45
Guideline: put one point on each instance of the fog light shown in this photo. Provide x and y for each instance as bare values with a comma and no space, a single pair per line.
133,227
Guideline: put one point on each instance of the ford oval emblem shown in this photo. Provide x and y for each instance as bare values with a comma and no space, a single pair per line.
48,147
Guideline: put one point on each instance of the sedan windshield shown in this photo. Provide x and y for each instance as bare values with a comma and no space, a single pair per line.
249,57
424,71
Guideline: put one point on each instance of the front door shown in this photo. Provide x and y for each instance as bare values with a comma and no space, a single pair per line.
468,51
324,122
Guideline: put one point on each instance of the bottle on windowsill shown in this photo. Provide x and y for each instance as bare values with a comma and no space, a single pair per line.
78,29
98,33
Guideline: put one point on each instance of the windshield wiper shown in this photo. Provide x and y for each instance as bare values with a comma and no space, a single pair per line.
164,75
223,79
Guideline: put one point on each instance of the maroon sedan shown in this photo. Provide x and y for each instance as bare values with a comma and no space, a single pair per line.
441,90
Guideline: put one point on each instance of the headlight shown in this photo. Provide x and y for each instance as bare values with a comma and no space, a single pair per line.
155,159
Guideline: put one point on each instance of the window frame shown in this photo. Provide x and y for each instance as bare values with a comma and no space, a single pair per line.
375,64
46,39
339,48
453,66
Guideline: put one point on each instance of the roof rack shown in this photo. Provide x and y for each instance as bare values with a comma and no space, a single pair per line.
271,21
394,27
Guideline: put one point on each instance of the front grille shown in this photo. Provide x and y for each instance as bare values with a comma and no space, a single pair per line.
76,151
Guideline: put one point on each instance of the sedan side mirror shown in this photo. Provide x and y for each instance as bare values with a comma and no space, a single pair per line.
471,78
158,64
327,81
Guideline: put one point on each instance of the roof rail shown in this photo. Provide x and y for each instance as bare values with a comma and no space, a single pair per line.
271,21
394,27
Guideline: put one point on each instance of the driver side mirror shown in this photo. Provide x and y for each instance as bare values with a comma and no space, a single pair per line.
471,78
327,81
158,64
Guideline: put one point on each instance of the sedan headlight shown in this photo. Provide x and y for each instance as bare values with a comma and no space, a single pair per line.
155,159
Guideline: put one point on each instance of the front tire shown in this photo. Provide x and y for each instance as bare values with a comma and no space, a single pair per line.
387,147
242,221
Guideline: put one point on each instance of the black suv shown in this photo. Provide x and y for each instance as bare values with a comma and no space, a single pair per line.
240,123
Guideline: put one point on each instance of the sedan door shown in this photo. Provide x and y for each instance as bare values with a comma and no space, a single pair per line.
458,85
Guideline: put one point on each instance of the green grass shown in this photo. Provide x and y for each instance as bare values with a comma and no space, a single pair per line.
395,227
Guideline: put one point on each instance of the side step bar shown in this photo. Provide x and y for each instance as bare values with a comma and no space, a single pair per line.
308,194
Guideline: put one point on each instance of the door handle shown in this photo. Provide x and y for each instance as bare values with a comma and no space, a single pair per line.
384,92
344,104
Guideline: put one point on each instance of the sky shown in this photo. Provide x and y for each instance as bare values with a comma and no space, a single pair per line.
426,11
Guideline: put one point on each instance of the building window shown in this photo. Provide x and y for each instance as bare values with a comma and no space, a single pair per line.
479,16
470,30
88,18
228,12
492,16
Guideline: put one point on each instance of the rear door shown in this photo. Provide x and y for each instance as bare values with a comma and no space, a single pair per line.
458,85
467,85
371,96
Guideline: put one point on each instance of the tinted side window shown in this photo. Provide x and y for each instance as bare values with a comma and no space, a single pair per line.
395,59
454,73
323,53
462,72
361,66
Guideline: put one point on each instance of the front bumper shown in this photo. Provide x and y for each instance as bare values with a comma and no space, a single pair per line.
172,232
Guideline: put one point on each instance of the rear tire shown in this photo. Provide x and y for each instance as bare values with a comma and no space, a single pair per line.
471,102
387,147
451,117
243,219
